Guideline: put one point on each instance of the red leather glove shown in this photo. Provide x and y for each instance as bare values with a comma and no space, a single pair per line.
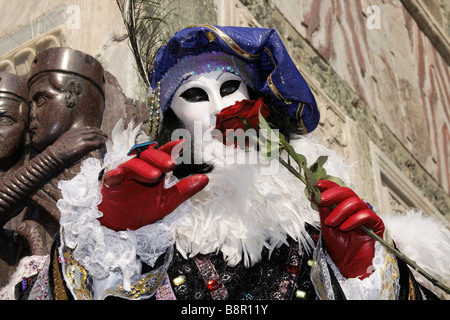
134,193
350,248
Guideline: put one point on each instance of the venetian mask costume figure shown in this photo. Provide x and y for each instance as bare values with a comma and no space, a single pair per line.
212,229
245,234
244,220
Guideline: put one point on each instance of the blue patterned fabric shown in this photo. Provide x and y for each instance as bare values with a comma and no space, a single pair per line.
275,74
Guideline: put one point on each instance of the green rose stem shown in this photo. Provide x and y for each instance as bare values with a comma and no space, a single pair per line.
275,141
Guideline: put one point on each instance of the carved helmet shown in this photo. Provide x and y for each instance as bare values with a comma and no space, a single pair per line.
14,84
67,60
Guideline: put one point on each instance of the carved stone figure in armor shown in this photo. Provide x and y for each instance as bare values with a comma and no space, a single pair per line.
14,108
66,94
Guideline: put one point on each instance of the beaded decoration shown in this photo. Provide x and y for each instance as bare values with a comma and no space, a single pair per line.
154,112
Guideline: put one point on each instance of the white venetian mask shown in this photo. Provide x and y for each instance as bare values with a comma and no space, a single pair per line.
199,99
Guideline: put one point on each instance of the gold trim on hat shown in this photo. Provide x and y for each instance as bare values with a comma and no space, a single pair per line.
230,42
238,50
270,81
274,88
299,115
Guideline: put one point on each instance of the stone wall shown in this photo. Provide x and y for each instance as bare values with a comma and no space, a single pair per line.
382,85
390,80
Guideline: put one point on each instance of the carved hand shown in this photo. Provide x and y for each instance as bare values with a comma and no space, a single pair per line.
76,143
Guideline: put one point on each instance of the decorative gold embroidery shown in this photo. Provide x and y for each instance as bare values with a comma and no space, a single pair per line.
145,286
389,272
60,293
412,290
76,276
80,282
211,36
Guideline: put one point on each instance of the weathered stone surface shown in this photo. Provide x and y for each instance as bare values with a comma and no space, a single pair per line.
394,70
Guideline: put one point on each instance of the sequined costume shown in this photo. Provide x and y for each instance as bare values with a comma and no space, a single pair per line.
277,278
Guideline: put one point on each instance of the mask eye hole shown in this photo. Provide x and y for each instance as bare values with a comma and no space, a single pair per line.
229,87
195,95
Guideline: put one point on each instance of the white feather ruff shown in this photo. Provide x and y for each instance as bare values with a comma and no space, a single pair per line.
425,240
120,143
244,209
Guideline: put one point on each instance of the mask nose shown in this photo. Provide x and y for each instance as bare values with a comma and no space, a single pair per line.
216,105
212,118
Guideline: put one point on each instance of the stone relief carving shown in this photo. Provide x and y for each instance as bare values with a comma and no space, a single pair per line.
14,110
235,13
396,193
66,92
332,126
397,206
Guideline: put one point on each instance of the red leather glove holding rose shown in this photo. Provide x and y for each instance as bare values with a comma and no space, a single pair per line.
134,193
350,248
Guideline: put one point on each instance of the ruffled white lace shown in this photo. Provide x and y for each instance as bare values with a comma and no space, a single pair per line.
382,284
99,249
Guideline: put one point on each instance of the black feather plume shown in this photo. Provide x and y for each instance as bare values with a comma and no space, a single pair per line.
144,20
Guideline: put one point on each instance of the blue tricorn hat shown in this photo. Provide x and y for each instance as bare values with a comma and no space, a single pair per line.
275,75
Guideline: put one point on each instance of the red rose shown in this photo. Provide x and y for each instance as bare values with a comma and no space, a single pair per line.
230,118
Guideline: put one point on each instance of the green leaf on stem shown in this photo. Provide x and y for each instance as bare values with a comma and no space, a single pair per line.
270,140
337,180
308,195
263,124
317,168
297,157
